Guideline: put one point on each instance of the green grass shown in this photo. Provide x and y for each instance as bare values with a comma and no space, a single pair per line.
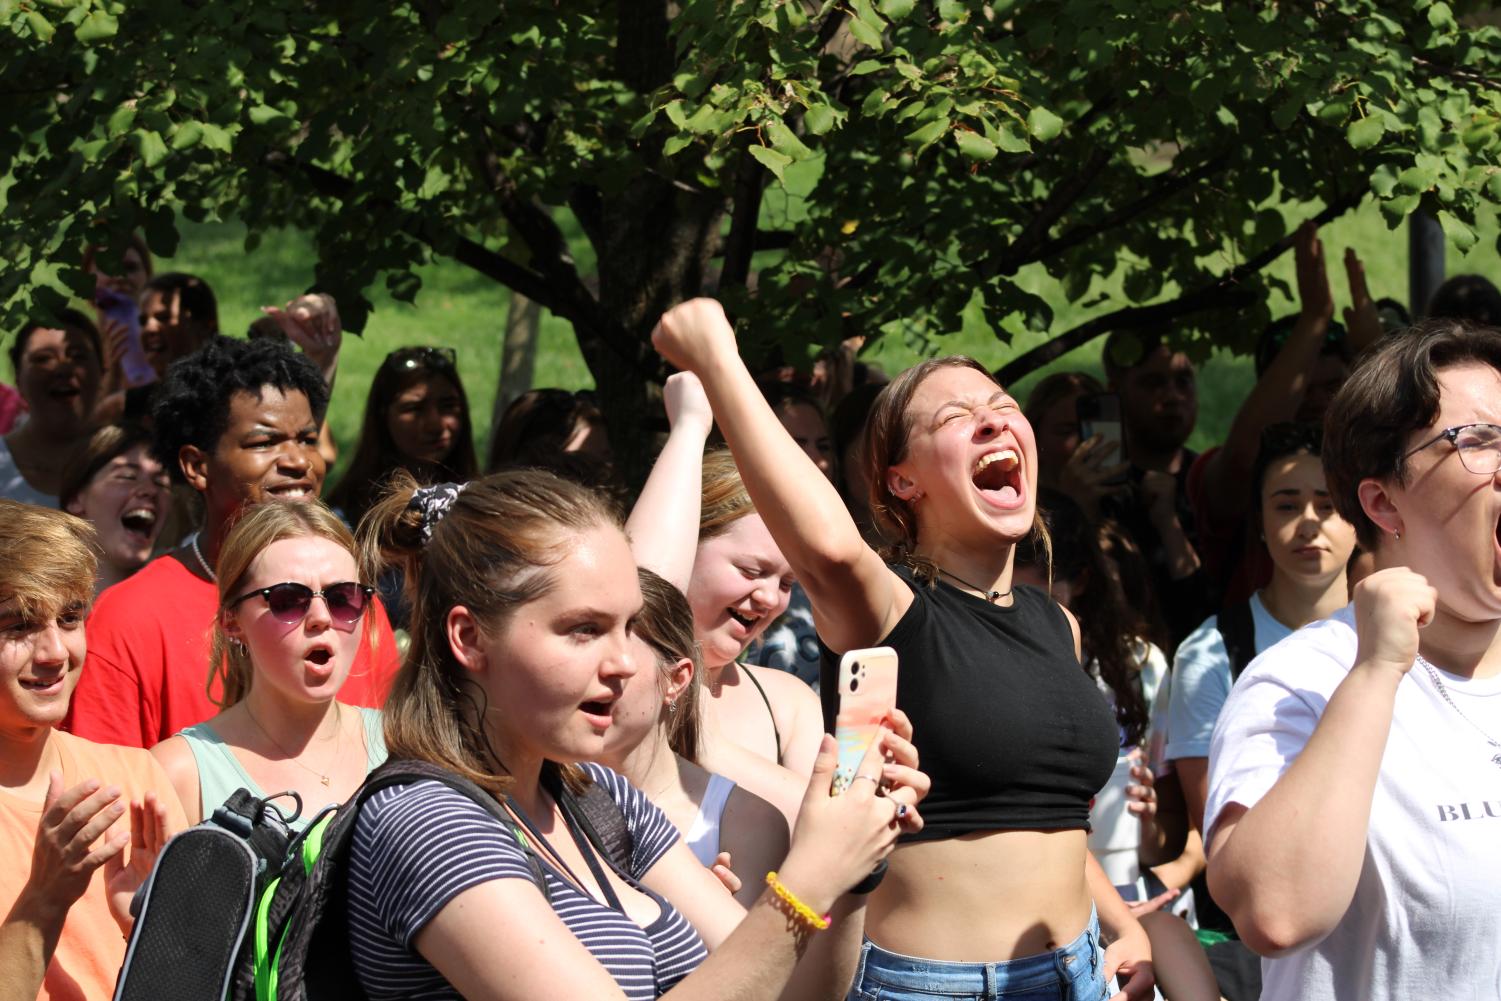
461,308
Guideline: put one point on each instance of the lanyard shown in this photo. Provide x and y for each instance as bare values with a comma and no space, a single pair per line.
552,784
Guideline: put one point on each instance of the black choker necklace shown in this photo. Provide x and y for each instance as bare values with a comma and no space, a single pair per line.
990,596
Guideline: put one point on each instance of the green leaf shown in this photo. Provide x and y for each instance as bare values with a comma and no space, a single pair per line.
675,113
676,144
1043,124
928,133
264,114
1383,181
1364,133
896,9
771,159
121,120
40,26
216,138
974,145
866,35
97,27
1416,179
1461,236
149,147
1441,17
403,285
819,119
186,135
786,141
1011,141
1493,186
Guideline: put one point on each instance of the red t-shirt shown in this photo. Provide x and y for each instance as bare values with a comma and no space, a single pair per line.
145,675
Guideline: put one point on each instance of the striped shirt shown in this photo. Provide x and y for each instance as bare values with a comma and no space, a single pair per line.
418,846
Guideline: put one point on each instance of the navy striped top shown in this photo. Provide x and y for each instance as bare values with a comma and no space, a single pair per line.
418,846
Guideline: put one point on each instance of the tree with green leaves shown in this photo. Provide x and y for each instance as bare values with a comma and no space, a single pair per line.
929,156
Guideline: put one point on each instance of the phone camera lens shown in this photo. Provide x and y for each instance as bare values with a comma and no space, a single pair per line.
854,684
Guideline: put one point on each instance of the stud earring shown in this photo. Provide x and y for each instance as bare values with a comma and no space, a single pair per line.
672,706
1397,536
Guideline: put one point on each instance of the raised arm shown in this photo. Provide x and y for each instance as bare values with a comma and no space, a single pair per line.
1285,869
1279,391
856,599
663,526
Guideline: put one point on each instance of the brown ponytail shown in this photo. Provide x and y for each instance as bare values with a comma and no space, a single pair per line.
492,552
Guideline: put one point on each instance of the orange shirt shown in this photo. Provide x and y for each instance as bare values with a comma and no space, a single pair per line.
91,948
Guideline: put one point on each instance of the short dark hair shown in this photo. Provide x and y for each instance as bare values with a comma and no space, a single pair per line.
1277,442
191,407
65,319
194,297
1392,394
1276,333
1467,297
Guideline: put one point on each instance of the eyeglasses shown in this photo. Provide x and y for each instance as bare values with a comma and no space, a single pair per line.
409,359
1478,445
290,602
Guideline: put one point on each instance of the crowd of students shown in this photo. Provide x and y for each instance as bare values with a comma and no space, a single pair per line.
1168,724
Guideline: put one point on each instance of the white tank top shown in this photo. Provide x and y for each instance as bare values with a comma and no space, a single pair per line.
703,835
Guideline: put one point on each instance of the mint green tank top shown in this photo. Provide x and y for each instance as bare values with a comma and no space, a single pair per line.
220,772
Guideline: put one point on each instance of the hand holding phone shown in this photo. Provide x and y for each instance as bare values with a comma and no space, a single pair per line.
867,695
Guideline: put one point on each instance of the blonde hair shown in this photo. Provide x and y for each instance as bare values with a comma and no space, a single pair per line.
492,552
47,559
723,500
264,524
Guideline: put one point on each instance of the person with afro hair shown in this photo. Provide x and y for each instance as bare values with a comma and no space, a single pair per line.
236,421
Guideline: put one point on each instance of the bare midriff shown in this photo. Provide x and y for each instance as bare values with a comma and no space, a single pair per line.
982,898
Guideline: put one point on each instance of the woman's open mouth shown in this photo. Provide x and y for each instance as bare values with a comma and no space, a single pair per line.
43,686
747,623
599,712
997,475
140,524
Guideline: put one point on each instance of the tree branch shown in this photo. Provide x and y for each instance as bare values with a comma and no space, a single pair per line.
1059,200
1216,294
745,217
1120,217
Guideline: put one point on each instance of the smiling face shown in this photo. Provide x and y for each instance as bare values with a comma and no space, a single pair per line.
1450,518
739,585
425,420
59,379
40,659
554,672
971,462
268,452
1306,537
307,660
127,501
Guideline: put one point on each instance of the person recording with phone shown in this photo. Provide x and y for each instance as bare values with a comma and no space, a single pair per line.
1159,399
1087,466
953,472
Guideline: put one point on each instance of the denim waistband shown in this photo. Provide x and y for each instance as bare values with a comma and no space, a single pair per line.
987,980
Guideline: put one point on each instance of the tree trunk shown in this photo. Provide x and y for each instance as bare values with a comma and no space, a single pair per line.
518,359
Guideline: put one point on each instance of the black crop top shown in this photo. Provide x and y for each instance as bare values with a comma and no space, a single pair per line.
1012,731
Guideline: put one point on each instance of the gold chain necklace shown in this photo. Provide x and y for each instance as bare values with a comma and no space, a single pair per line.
322,777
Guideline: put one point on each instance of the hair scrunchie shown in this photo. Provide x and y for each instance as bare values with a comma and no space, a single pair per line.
433,503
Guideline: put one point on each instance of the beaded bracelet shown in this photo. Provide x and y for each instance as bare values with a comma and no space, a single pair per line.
804,913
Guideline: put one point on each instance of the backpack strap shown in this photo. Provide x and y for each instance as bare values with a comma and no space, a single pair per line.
1238,630
603,823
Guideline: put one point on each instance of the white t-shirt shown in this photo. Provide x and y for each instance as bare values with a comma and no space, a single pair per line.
1201,681
13,485
1424,919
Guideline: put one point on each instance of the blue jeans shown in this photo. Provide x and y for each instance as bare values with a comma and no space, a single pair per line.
1072,973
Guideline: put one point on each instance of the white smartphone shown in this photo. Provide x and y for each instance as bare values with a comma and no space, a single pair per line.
867,694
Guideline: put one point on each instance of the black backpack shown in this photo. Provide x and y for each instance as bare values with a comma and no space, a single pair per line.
238,908
1238,630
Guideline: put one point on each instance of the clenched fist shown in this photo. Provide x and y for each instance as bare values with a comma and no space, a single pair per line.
1391,605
